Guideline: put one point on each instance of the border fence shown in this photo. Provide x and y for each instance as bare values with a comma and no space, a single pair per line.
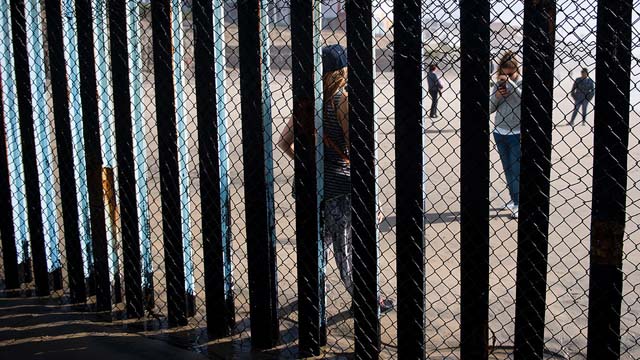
141,175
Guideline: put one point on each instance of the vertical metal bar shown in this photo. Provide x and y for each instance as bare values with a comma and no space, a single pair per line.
105,93
169,171
533,236
93,163
611,141
16,173
111,208
223,148
7,234
104,86
107,140
68,193
42,126
75,112
410,179
363,178
307,117
139,149
124,153
183,151
23,89
474,178
219,299
258,171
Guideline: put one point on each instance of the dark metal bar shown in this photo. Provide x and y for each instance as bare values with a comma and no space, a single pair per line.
7,233
60,95
307,103
536,127
611,141
25,109
91,134
474,178
410,193
124,150
168,152
363,178
219,299
258,172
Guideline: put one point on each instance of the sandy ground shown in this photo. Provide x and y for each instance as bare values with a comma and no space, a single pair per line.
567,295
42,328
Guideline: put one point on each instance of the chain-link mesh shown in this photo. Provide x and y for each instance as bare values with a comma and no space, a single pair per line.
572,159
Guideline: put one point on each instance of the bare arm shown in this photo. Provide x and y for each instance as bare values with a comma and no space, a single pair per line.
286,139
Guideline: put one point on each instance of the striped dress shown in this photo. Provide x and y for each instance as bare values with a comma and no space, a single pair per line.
337,172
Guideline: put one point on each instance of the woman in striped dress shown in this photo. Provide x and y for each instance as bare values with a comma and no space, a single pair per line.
336,207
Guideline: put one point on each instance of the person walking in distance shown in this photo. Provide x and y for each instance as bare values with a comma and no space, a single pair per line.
505,102
435,89
582,93
336,207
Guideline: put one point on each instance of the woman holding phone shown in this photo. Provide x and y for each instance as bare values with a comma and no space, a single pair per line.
505,102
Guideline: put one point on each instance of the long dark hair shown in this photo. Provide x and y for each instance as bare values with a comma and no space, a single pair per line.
332,82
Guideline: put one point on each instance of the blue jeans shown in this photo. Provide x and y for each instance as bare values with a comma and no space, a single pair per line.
580,105
509,150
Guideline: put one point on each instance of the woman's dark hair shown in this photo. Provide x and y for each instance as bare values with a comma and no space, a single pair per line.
585,70
432,67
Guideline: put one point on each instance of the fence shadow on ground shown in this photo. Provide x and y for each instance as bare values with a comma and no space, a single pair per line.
389,222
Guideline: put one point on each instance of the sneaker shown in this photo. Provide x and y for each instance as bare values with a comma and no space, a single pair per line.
509,206
514,212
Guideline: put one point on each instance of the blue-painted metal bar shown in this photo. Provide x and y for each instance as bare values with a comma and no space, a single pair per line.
219,300
140,149
258,171
93,158
126,172
308,133
105,109
29,159
68,193
410,179
535,171
362,126
16,174
223,147
105,91
183,150
169,169
474,179
70,38
43,129
610,176
7,233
